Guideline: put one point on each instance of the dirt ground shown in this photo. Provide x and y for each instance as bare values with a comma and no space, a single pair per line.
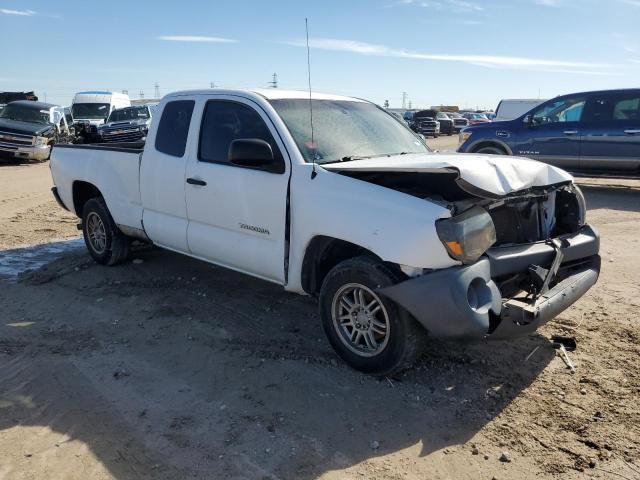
169,368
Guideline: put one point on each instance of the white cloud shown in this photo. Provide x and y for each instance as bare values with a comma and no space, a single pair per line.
21,13
453,5
195,38
479,60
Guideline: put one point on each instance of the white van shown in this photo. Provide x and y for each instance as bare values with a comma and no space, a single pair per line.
95,106
91,109
509,109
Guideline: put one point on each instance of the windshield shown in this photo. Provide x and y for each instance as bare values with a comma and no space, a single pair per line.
90,110
129,113
344,130
25,114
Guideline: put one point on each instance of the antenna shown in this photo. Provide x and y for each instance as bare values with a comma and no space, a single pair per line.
313,145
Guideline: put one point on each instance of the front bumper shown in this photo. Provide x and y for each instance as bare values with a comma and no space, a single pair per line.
32,152
465,302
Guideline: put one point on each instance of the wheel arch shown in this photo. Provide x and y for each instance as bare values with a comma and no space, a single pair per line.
83,192
322,254
490,143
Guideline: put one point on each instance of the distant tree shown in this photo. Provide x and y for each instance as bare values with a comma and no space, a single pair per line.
386,104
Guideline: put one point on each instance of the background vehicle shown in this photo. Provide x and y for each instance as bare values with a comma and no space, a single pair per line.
71,123
581,131
459,122
92,108
476,118
28,129
509,109
389,236
424,122
129,124
446,123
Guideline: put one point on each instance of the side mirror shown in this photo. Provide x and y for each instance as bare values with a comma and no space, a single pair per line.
254,153
528,120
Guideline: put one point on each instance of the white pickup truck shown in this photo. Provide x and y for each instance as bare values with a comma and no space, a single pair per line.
394,239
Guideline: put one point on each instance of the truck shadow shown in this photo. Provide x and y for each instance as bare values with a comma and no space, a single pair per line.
615,197
172,368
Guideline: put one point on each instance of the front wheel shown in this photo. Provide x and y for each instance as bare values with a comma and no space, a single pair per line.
491,151
104,240
368,331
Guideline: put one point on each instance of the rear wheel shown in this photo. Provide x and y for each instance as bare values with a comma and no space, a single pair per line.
491,151
104,240
368,331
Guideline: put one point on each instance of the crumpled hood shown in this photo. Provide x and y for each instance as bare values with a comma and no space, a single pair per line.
490,175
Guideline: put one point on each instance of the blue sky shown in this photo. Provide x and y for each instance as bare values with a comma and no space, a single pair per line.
454,52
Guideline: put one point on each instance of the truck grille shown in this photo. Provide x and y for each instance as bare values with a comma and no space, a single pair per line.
122,135
427,125
460,122
12,141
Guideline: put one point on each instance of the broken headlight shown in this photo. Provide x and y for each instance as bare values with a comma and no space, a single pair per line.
468,235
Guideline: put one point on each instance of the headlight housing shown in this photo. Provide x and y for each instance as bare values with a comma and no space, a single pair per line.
41,141
464,136
468,235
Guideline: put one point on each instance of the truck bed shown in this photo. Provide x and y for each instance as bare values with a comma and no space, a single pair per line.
114,169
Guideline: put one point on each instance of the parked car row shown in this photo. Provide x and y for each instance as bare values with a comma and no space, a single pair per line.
433,123
580,132
28,128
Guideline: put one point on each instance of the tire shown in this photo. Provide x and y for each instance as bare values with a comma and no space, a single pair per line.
396,334
104,240
491,151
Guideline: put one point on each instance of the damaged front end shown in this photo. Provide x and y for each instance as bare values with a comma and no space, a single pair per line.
525,257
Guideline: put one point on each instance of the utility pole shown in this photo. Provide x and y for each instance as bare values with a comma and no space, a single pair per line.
141,95
157,90
274,83
404,99
212,85
410,106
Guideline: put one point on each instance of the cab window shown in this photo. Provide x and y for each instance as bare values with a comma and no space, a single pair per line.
560,111
614,108
225,121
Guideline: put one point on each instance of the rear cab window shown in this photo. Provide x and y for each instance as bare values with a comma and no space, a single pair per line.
173,129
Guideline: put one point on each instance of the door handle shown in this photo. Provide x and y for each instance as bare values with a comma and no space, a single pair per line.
570,132
632,132
196,181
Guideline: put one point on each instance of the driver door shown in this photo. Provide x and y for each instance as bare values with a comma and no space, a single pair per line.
553,133
237,215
